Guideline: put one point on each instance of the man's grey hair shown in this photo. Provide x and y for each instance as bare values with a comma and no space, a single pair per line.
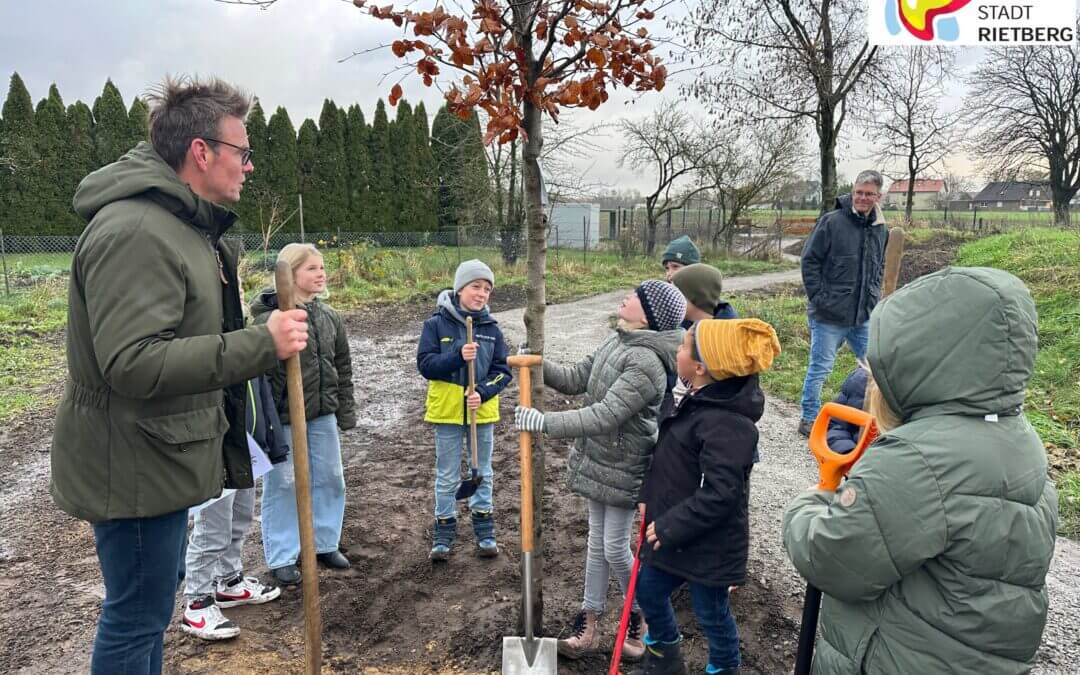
185,108
870,176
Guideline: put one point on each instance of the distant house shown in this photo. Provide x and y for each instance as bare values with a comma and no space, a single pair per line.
1014,196
960,201
929,194
800,194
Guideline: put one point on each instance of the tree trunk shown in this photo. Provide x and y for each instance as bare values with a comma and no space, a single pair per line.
536,293
650,226
827,148
1061,199
511,234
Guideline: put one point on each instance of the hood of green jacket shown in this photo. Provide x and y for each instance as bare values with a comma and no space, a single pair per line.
961,341
265,301
664,343
142,172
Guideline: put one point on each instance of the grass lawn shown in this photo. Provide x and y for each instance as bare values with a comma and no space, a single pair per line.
1049,263
362,275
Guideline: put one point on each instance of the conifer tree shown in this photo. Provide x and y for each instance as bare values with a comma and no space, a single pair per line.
358,165
112,130
18,150
330,196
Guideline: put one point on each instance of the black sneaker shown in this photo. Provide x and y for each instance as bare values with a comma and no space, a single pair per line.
334,560
287,576
804,428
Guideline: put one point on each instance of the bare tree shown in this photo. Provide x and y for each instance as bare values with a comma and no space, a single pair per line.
1024,103
271,209
905,119
745,166
781,60
664,144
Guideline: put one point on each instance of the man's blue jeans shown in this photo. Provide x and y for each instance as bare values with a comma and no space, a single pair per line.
825,341
711,609
451,449
141,561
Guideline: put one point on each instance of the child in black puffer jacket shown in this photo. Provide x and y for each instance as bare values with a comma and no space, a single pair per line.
695,498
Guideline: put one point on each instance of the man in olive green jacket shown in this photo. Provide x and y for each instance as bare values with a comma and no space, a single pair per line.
148,425
932,557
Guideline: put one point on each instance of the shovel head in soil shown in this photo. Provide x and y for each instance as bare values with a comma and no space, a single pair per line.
529,655
516,659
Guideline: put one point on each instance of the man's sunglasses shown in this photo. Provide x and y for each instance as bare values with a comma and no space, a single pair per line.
245,153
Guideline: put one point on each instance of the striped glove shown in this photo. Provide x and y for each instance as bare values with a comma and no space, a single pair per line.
528,419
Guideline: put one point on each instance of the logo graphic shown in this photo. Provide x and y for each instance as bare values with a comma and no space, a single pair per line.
920,18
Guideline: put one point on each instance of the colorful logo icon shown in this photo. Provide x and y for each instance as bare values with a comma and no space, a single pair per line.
925,19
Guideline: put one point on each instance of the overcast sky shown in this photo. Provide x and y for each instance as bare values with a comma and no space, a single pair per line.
290,55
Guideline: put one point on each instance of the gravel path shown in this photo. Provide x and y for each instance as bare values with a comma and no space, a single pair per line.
786,468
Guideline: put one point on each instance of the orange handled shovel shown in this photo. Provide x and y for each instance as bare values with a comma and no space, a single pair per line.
527,655
832,466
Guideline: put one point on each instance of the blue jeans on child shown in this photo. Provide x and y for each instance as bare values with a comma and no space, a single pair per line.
825,341
711,608
280,531
141,562
451,448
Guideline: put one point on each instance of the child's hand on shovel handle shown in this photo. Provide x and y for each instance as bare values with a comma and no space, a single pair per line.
473,400
468,351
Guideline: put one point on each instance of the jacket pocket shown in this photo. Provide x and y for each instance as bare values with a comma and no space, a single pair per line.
187,430
188,465
840,273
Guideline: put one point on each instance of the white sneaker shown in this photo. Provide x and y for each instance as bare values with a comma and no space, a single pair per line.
203,619
241,590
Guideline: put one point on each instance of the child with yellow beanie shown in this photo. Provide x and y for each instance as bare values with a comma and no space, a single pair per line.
695,498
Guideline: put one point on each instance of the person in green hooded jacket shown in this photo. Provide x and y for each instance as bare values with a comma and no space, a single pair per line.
932,556
152,417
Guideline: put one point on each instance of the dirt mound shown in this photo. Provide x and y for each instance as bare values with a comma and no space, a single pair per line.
924,257
920,258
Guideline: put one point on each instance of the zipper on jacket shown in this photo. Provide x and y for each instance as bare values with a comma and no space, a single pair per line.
217,257
318,356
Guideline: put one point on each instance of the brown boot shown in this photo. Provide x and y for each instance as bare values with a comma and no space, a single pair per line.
634,645
584,636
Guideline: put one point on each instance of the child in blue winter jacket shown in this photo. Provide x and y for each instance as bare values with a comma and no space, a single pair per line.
443,357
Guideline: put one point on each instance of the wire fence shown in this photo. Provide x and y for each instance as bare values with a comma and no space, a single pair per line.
26,261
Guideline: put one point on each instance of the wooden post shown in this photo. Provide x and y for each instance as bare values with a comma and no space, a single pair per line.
894,255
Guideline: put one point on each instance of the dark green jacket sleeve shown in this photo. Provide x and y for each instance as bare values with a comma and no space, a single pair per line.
346,413
134,326
891,523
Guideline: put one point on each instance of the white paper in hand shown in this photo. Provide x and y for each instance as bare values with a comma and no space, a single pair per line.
260,463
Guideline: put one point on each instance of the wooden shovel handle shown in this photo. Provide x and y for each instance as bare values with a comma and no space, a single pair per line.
894,254
522,363
302,475
472,388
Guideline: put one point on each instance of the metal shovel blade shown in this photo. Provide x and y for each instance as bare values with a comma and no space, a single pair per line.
522,658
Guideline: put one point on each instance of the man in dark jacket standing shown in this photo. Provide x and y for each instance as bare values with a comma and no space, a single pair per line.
842,263
152,418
